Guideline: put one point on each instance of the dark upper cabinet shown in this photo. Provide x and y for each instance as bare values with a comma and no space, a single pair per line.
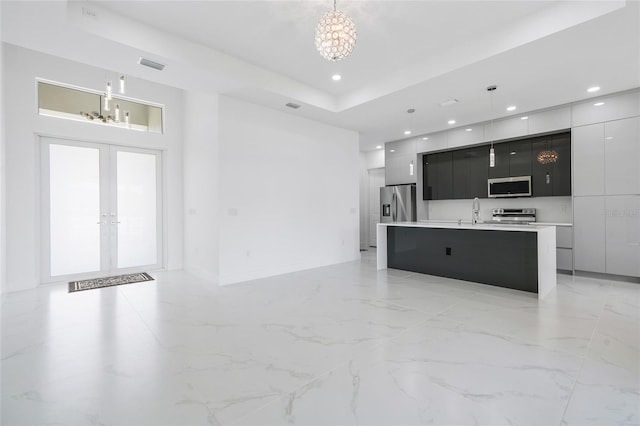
501,168
470,172
554,178
460,174
445,175
520,158
478,165
437,176
463,173
429,177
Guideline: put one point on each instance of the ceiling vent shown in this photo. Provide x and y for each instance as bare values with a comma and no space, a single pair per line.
449,102
292,105
151,64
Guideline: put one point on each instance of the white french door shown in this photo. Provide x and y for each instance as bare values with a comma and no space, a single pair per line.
101,209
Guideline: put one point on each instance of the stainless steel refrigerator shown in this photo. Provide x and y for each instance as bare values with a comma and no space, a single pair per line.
398,203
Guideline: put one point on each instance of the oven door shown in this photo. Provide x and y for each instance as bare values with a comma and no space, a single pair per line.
519,186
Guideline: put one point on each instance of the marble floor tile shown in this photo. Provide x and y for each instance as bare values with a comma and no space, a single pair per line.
343,344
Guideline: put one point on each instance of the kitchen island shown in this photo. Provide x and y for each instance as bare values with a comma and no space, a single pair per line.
517,257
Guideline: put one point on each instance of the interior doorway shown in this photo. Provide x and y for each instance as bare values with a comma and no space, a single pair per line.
102,209
376,180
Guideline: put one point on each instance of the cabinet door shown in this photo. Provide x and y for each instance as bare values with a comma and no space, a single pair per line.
623,235
520,158
589,233
501,168
541,174
460,174
445,175
550,120
622,156
588,159
478,166
430,177
561,170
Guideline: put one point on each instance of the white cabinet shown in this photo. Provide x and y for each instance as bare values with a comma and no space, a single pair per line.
589,233
466,136
598,110
550,120
564,259
588,159
622,156
432,142
400,162
564,245
623,235
512,127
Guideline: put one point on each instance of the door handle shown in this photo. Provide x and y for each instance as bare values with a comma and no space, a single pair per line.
394,206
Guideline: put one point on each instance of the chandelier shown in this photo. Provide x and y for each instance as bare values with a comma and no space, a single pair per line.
547,156
335,35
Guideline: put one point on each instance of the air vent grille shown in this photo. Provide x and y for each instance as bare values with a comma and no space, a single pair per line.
151,64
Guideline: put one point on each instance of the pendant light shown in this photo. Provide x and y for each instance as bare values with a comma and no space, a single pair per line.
492,153
122,82
117,114
407,132
335,35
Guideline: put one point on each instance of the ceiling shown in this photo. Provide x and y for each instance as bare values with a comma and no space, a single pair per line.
409,54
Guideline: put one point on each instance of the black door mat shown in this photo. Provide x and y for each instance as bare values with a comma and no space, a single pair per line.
109,281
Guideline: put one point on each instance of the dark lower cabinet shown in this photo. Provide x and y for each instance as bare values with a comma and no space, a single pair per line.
552,178
501,258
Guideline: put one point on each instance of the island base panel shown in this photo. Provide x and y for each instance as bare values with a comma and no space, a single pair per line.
500,258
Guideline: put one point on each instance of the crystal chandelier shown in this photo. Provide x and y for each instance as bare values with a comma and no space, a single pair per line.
335,35
547,156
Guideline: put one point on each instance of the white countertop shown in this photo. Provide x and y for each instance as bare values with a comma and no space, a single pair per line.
469,226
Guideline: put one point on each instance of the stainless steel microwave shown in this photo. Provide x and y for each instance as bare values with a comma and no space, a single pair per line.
519,186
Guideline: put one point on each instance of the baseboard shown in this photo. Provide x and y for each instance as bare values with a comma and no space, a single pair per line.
599,275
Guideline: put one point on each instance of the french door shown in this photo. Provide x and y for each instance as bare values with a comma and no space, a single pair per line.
101,209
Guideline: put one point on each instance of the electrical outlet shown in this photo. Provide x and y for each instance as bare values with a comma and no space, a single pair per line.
88,13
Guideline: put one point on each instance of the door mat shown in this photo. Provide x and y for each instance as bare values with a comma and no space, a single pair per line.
109,281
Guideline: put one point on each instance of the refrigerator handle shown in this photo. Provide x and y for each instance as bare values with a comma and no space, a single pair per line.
394,206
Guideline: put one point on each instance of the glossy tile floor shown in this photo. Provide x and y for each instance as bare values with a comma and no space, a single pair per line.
338,345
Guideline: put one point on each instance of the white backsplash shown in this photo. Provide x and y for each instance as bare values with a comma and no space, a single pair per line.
548,209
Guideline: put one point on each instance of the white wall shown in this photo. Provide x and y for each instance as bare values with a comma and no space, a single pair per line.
288,193
368,160
22,127
549,209
201,185
2,168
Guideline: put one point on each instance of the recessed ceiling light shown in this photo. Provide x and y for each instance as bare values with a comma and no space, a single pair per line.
378,146
598,104
336,77
593,89
609,138
511,108
407,132
512,153
451,121
392,150
468,130
425,139
524,118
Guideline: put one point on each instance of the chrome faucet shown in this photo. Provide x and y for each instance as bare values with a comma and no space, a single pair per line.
475,211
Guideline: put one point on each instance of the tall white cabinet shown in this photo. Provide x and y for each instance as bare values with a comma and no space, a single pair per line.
606,186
